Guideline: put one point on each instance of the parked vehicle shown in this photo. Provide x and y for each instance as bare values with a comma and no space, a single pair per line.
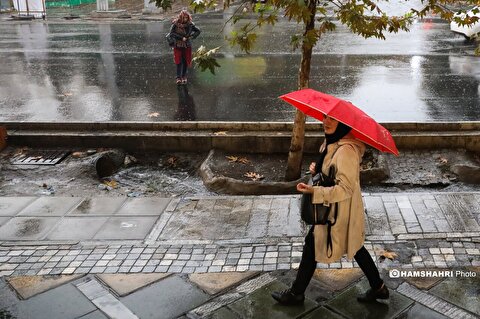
470,31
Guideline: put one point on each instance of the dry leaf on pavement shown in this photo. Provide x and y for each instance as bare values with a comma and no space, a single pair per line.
79,154
443,160
111,183
254,176
20,151
232,158
243,160
236,159
154,114
172,161
387,254
220,133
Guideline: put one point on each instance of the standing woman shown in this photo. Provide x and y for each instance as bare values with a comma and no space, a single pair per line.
346,237
183,31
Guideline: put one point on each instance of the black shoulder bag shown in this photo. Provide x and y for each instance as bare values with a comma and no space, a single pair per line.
317,214
170,39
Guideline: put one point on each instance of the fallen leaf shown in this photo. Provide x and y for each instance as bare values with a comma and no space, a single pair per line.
20,151
243,160
172,161
232,158
387,254
154,114
112,183
236,159
220,133
254,176
67,94
79,154
443,160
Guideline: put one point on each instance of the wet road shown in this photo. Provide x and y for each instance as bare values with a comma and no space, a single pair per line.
125,72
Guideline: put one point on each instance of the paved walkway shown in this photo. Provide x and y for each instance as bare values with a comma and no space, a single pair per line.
88,247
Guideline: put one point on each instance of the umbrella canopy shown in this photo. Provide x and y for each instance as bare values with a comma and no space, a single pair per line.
364,128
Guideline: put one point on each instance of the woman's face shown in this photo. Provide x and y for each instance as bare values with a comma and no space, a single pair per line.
329,125
184,18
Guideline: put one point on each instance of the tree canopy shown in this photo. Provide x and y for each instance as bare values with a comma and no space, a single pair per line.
366,18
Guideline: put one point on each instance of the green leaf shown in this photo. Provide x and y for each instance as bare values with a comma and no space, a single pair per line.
164,4
202,5
204,59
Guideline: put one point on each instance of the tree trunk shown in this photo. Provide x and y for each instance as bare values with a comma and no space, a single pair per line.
294,164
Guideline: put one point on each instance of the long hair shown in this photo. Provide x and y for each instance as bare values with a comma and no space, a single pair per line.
181,15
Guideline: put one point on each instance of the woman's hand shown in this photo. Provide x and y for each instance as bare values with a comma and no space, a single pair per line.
184,39
304,188
312,168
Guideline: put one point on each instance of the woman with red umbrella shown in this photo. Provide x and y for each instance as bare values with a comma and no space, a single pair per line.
326,244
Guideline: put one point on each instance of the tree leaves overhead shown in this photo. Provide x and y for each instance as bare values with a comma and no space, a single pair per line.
363,17
164,4
205,60
202,5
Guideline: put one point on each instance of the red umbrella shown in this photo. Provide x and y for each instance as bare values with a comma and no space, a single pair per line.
364,128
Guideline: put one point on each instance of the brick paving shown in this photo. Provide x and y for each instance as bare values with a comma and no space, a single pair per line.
249,233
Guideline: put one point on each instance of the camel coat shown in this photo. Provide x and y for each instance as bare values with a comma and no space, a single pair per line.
348,234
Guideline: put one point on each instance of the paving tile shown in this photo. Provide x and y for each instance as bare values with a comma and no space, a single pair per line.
27,228
50,206
224,313
3,220
459,291
322,313
420,311
76,228
214,283
7,295
60,303
424,283
98,206
126,228
197,224
29,286
104,300
153,302
124,284
337,279
260,304
10,206
97,314
396,304
144,206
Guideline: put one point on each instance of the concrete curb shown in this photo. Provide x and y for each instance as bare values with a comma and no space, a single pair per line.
260,137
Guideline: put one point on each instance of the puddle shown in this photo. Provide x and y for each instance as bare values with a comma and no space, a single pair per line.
29,227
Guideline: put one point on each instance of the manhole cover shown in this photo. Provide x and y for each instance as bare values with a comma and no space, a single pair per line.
39,157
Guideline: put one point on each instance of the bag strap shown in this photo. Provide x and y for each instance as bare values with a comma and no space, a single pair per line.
329,231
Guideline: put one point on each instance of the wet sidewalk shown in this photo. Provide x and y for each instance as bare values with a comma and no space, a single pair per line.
120,257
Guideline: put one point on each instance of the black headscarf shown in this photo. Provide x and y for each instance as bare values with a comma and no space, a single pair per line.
339,133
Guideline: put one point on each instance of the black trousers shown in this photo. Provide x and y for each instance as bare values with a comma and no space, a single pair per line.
308,265
182,67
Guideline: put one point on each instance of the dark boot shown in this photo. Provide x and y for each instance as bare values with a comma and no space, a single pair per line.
288,298
372,295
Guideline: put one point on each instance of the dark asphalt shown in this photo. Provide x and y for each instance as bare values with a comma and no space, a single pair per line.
76,71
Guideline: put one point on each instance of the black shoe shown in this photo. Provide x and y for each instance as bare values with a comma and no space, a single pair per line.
372,295
288,298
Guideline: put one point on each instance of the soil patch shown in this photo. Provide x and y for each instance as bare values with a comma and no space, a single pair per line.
253,167
152,174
